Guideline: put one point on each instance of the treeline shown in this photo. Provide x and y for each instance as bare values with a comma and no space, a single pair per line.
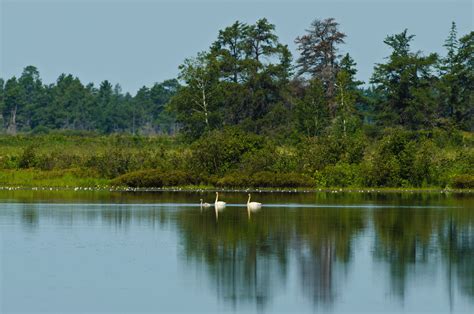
28,105
249,78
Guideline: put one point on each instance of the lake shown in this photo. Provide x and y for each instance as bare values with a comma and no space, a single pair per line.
301,253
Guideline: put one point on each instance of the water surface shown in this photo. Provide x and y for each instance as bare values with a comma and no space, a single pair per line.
308,252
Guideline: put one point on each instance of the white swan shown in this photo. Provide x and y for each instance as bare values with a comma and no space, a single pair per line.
205,205
219,204
253,205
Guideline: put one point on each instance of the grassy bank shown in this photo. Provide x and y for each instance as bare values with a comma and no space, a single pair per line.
234,159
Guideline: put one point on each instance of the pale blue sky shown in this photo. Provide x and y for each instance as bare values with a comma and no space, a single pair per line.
136,43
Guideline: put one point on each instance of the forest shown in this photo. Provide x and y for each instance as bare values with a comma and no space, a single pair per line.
248,113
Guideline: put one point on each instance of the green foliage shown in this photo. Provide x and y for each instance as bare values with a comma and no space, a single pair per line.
312,110
463,182
241,77
27,158
340,175
221,151
153,179
266,179
407,85
235,158
242,119
317,153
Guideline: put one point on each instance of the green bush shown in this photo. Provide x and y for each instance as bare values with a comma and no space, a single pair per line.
153,178
221,151
265,179
235,180
27,158
113,162
9,161
465,181
58,160
318,153
340,175
40,130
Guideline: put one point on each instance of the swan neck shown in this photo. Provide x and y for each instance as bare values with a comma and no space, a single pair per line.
217,196
249,199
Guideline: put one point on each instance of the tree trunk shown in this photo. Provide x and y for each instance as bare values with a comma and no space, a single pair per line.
11,129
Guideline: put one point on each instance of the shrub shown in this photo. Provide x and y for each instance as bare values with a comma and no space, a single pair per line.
221,151
40,130
113,162
9,161
27,158
340,175
234,180
153,178
317,153
58,160
464,181
265,179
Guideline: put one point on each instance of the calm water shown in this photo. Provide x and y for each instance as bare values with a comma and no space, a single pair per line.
157,252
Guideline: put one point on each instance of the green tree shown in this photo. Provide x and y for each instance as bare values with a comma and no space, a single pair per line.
407,85
229,49
312,111
13,103
346,97
197,103
457,81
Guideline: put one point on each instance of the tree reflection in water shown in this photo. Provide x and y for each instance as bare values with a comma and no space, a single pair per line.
324,241
409,237
249,260
244,258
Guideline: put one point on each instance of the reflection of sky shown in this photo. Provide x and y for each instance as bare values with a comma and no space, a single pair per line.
127,258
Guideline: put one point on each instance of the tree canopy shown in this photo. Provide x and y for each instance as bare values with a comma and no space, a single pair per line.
247,78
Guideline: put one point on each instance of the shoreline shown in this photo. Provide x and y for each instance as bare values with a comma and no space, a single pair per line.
191,189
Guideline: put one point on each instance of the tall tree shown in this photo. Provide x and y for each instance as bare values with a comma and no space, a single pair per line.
13,103
349,97
33,92
312,110
319,52
457,81
268,69
407,85
346,97
465,58
229,49
451,44
161,95
197,103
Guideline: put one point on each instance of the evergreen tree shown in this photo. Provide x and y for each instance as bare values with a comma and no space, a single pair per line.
457,81
407,85
319,52
229,50
13,104
312,110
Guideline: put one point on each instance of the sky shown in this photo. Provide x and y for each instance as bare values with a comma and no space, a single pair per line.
137,43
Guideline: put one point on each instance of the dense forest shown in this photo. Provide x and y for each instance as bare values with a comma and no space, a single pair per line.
246,106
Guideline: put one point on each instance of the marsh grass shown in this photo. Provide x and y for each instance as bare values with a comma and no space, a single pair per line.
235,159
55,178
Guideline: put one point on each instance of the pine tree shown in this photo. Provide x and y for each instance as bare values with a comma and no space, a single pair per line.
318,49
